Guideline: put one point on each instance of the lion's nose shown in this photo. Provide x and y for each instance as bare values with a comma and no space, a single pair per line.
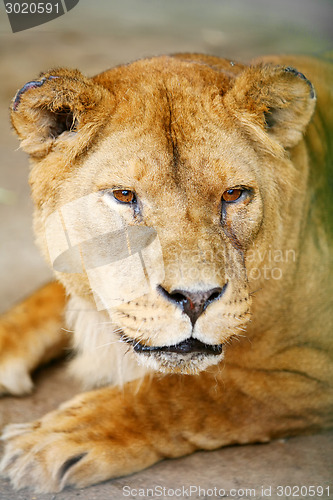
194,303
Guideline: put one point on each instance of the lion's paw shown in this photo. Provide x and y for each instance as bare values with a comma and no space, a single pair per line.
47,457
89,439
15,378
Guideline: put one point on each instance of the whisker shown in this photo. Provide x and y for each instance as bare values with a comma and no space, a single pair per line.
108,343
105,322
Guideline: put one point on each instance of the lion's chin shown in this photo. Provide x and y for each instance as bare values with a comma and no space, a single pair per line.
188,357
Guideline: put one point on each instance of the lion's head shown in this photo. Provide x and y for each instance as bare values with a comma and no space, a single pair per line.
163,189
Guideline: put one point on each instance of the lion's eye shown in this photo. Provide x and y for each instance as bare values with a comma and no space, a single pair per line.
231,195
124,195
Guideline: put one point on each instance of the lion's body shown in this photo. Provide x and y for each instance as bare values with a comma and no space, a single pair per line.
182,133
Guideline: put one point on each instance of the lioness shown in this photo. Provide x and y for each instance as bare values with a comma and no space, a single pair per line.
185,205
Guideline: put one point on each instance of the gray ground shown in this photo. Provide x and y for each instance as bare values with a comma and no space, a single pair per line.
93,37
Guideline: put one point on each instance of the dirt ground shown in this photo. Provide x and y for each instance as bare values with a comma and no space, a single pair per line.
92,37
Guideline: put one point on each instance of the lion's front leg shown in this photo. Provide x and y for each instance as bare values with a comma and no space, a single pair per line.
94,437
31,334
113,432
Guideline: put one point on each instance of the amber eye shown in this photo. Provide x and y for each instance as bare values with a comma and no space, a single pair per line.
124,196
231,195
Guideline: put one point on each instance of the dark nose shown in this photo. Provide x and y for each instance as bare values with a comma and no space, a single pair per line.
193,303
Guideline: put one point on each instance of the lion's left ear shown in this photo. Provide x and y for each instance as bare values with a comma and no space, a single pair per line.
279,99
61,102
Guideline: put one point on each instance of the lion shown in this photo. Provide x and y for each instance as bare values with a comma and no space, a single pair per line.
184,203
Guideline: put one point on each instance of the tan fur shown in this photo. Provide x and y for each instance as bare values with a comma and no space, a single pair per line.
31,334
179,131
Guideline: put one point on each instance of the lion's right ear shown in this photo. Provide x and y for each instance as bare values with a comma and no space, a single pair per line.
59,103
280,100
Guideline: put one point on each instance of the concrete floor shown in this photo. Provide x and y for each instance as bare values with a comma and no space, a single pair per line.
94,39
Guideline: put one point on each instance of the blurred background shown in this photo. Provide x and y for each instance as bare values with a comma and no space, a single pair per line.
96,35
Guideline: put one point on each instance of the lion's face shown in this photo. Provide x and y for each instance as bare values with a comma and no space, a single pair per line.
199,287
163,208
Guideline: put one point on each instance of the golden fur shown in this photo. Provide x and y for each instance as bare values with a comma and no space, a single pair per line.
179,132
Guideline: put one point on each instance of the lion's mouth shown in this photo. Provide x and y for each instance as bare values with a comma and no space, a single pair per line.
188,346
